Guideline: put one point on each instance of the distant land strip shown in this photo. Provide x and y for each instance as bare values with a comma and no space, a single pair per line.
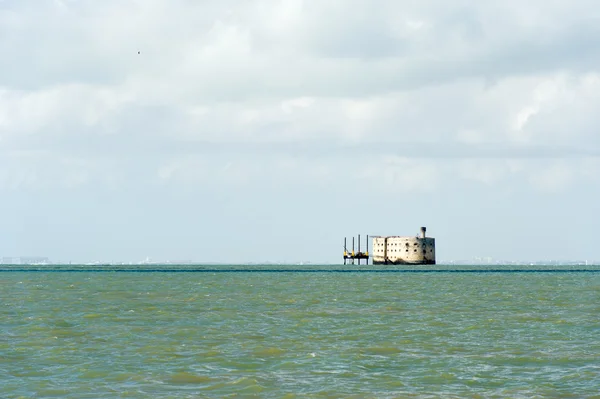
283,270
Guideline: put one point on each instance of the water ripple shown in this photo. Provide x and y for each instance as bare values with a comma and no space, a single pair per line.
316,335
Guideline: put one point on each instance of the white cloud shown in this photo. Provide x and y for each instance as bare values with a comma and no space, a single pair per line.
425,79
401,175
554,178
488,172
42,170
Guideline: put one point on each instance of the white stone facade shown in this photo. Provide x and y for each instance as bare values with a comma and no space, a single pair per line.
403,250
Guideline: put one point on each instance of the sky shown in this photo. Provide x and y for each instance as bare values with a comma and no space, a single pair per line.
269,130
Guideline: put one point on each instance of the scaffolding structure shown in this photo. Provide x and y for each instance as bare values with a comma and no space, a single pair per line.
358,255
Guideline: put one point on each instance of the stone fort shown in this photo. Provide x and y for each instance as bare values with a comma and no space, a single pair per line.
398,250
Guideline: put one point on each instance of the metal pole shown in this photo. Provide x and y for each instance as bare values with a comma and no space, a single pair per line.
359,248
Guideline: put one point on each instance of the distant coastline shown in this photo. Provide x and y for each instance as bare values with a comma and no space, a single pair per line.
470,262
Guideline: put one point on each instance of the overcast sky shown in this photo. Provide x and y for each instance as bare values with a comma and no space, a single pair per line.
248,131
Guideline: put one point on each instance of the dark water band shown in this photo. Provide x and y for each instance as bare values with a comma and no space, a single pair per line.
250,270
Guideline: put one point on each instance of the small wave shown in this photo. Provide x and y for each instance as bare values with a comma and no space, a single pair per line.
188,378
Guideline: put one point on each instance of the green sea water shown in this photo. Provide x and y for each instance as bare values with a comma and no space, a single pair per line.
285,334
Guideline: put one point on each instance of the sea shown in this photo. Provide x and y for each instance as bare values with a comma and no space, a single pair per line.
299,331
